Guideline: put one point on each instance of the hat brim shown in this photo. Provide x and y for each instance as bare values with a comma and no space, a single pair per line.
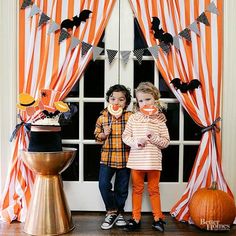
23,108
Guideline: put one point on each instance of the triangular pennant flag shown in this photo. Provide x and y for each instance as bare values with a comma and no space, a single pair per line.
74,42
125,56
96,52
85,48
53,27
154,51
194,28
111,55
139,55
186,34
43,19
212,8
26,3
63,35
164,47
203,19
34,10
176,41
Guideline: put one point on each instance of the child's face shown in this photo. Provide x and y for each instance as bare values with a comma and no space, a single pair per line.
117,98
144,99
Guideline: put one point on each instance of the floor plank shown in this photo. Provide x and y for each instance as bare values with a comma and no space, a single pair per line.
88,223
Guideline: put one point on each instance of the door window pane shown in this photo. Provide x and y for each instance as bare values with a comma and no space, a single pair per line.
72,172
94,79
143,72
139,39
92,154
191,130
172,123
70,127
170,164
74,91
91,113
190,152
164,89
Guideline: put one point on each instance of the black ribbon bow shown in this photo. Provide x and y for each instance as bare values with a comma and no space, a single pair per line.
18,126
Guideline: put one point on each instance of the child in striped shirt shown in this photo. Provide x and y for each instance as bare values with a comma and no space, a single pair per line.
146,134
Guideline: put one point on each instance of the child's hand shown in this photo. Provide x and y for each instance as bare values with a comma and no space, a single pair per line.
107,130
142,142
149,134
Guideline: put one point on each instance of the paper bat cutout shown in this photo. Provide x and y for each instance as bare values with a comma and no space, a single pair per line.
69,24
50,114
184,87
159,33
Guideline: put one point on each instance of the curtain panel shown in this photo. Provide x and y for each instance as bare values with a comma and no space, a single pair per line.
46,63
199,58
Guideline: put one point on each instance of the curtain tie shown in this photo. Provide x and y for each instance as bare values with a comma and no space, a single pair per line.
212,127
18,126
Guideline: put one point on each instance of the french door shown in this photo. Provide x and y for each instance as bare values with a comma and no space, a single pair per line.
87,97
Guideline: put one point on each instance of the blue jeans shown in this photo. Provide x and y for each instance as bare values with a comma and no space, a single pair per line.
114,199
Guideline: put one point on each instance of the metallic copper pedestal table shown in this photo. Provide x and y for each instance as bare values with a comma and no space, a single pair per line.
48,213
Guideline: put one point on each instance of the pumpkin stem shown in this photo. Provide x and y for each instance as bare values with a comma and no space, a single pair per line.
214,185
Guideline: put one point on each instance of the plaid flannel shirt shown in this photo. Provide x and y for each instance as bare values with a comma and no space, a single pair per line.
114,152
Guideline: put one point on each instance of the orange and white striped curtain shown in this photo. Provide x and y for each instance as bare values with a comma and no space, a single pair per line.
46,63
199,59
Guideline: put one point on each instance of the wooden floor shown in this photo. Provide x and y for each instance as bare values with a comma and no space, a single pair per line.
88,223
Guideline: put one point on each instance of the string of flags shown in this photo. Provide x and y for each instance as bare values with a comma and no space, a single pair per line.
125,54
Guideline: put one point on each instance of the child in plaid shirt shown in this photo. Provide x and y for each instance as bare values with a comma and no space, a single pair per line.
114,156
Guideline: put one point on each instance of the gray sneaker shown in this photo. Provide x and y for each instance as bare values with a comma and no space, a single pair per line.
109,221
120,221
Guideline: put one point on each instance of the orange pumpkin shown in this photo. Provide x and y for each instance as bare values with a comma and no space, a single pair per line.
212,209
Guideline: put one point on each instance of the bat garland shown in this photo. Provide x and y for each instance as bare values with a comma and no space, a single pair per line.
184,87
69,24
159,33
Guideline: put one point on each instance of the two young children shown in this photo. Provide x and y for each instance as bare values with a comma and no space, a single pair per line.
131,142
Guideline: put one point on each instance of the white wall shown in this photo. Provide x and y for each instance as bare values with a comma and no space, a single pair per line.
8,69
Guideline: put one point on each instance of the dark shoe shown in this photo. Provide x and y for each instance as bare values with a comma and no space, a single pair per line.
159,225
109,221
132,225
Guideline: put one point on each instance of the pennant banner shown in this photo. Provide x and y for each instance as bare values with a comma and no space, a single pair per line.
125,56
138,53
186,34
34,10
176,41
164,47
96,52
111,55
43,19
203,19
154,51
85,48
53,27
212,8
26,3
194,28
63,35
74,42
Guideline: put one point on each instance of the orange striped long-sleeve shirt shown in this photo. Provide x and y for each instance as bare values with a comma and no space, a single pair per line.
150,156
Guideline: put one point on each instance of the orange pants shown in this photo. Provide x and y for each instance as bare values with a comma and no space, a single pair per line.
153,177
